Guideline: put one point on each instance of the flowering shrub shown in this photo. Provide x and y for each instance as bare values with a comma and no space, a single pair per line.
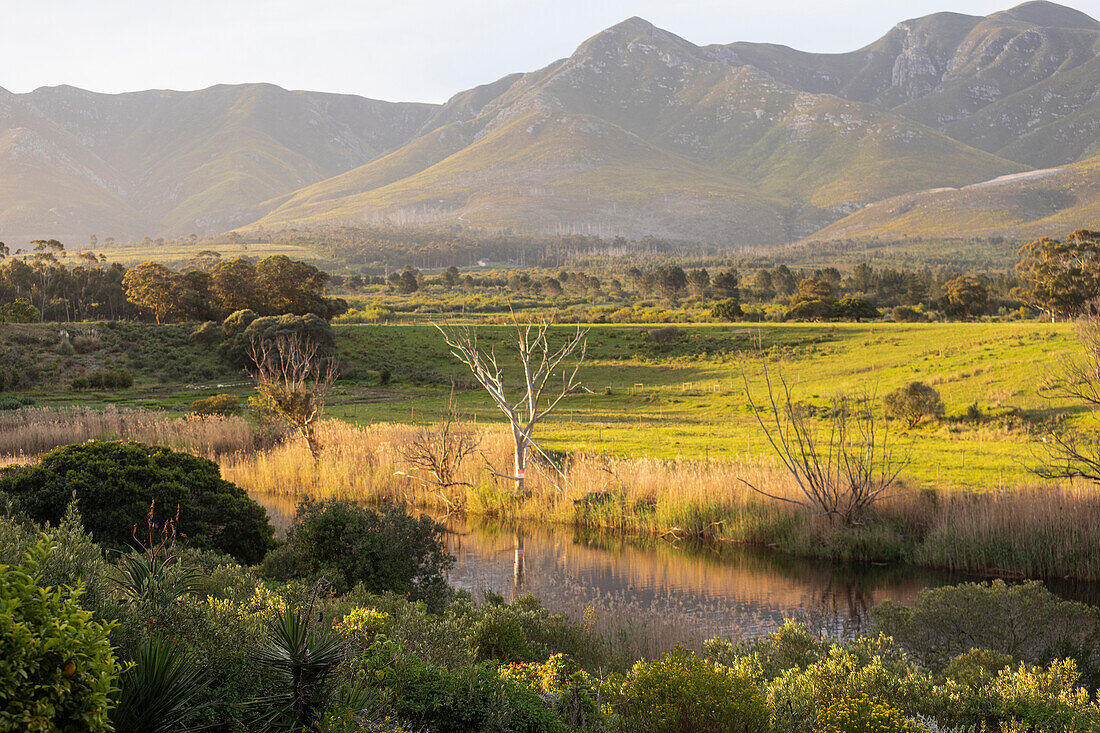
366,621
863,715
681,693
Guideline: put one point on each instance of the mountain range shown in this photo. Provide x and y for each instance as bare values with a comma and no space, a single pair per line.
949,125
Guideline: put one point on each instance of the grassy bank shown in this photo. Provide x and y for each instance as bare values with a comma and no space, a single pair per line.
1029,532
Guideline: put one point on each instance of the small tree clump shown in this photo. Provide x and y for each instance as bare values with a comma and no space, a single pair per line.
914,402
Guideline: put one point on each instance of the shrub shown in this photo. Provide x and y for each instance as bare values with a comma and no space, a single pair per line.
905,314
114,483
11,402
206,333
349,545
914,402
105,379
682,693
268,329
237,321
470,699
1023,620
977,667
727,310
664,335
58,669
219,404
863,715
855,309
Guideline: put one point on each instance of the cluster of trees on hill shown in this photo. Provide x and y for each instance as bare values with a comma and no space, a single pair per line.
51,284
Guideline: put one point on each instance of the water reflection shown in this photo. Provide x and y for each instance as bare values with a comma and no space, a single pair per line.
677,594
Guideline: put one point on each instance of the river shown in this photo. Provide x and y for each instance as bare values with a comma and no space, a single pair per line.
669,593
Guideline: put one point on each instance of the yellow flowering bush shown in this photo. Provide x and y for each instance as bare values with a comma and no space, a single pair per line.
864,715
366,621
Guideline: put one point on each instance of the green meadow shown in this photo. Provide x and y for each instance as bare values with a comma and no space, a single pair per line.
682,393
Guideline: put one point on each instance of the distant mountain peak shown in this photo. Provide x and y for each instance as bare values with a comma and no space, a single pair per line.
1049,15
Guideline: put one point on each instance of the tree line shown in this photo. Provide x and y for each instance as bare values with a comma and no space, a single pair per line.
50,283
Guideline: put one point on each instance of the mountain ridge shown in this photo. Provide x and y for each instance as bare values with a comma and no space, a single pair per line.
638,131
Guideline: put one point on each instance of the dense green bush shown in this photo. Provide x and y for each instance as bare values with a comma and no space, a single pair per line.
863,715
104,379
727,310
349,545
115,482
57,671
206,333
681,693
469,699
1024,620
268,329
914,402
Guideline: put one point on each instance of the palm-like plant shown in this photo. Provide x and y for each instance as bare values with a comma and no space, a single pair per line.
303,661
156,691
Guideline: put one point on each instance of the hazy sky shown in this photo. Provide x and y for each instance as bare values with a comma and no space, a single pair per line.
417,50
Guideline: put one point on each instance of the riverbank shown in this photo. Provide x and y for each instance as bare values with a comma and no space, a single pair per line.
1050,531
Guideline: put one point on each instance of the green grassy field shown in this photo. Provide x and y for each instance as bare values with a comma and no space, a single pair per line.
684,397
687,398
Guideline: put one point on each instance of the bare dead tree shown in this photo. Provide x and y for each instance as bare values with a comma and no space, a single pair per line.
436,454
841,469
1064,452
537,398
293,379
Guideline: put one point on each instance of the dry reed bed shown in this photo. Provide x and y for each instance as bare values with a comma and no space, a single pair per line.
32,431
1052,531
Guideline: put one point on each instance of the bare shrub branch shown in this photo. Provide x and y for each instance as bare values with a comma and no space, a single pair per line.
435,454
841,469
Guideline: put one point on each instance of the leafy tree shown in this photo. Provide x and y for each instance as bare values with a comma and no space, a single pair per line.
698,281
407,281
21,310
813,289
233,286
914,402
114,483
725,285
671,281
154,287
965,296
1060,277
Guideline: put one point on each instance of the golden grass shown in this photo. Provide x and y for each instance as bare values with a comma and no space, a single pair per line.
1039,531
30,432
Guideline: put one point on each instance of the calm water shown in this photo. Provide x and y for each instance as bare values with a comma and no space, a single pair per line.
676,594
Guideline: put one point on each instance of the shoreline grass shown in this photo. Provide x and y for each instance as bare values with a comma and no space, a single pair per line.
1050,531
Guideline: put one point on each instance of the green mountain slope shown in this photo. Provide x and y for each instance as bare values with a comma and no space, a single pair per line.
1050,202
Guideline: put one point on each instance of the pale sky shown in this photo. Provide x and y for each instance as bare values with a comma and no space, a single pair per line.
400,50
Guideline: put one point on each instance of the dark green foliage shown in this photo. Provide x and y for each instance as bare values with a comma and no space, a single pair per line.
235,348
104,379
206,333
114,483
845,309
727,310
57,668
905,314
470,699
11,402
855,309
301,661
1025,621
349,544
157,691
914,402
